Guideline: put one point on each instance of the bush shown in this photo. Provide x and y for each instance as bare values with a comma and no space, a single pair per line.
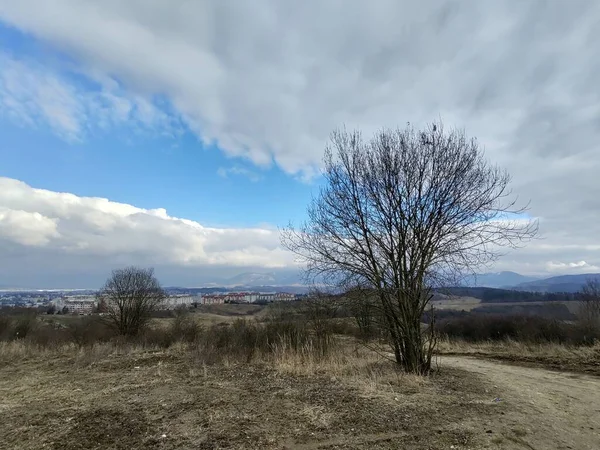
6,324
24,325
244,340
154,337
240,341
532,329
184,327
46,336
89,331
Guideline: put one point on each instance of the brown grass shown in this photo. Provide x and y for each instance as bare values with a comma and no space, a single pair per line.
585,359
190,383
133,397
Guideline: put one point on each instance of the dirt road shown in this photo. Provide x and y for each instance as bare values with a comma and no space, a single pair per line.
544,409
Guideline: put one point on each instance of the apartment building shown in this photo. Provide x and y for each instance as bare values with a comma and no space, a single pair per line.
79,305
246,297
177,301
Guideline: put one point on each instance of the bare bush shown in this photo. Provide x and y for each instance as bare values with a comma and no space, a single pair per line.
401,214
184,327
130,296
6,323
589,309
364,307
24,326
527,329
88,331
321,310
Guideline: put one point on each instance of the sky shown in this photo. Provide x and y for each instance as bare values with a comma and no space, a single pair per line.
183,134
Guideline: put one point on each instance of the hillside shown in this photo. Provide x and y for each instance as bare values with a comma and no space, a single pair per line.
493,295
497,279
563,283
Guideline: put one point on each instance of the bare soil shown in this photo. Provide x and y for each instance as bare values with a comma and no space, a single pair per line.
557,357
134,399
167,400
548,409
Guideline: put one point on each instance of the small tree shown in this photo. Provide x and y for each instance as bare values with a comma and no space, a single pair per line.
321,309
589,308
363,306
101,307
399,215
130,295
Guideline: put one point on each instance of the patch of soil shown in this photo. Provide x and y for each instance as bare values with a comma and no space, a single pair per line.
169,401
104,428
589,366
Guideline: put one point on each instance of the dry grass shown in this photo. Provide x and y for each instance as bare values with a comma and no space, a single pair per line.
457,303
366,370
133,397
551,355
246,384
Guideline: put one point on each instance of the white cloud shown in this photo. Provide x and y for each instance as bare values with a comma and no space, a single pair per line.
36,95
27,228
269,81
67,227
572,267
226,172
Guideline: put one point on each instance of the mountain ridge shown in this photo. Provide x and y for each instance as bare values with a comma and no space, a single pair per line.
503,279
559,283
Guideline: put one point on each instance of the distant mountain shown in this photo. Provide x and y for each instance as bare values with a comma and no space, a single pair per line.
178,290
498,279
263,279
250,278
292,289
562,283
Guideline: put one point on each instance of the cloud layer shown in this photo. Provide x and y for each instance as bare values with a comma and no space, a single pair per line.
268,81
35,95
56,231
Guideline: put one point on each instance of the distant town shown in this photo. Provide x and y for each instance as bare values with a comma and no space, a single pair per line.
85,301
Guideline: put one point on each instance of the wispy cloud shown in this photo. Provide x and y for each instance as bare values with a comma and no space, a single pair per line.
226,172
39,96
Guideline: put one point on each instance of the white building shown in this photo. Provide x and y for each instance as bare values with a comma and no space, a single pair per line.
213,299
246,297
174,302
77,304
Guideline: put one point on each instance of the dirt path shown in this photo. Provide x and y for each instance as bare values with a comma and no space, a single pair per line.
545,409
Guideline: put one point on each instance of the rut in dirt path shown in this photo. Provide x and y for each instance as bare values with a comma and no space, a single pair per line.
548,409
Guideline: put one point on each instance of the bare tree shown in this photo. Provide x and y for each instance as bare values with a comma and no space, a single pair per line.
130,296
321,309
589,308
402,213
363,305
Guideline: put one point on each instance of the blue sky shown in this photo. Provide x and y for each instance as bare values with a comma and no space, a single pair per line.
182,134
178,172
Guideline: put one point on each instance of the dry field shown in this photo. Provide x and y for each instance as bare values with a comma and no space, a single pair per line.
116,398
457,303
549,356
125,396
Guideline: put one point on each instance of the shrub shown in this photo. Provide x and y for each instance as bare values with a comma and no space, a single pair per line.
24,325
531,329
184,327
154,337
46,336
6,324
244,340
89,331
